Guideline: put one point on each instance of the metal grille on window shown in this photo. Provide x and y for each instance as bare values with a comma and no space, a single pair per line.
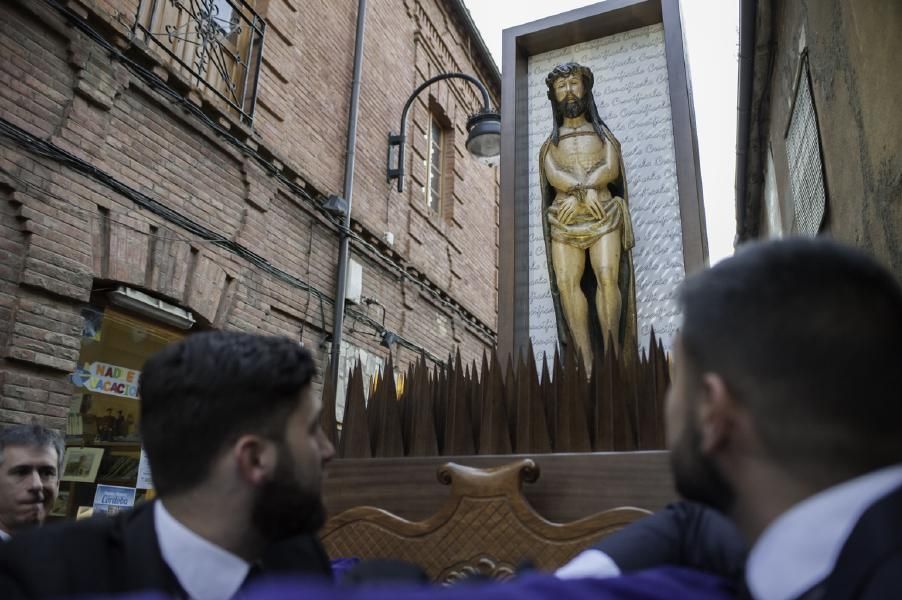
803,149
218,44
434,166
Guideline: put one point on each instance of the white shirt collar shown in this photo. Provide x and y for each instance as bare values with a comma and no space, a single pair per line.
589,563
800,548
204,570
4,537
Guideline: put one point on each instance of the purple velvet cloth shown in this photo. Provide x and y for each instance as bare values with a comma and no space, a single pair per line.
666,583
341,565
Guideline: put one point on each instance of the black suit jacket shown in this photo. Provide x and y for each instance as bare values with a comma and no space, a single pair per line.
684,534
114,555
687,534
869,566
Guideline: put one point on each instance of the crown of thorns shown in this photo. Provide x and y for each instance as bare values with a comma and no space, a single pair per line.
568,69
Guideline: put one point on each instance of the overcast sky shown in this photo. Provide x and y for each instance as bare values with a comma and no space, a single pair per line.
711,33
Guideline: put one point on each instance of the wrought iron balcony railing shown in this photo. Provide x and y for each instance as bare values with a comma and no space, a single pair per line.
217,43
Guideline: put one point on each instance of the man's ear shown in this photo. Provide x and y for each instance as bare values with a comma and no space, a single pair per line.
715,414
255,458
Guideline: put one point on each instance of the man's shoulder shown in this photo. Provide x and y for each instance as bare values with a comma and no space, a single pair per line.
54,536
879,530
299,554
47,560
871,559
886,579
66,542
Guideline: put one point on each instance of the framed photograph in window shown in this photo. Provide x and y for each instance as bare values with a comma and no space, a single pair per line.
81,464
61,505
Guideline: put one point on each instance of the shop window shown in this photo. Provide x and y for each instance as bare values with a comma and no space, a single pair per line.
217,43
103,446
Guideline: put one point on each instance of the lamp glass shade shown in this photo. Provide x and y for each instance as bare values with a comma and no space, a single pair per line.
484,135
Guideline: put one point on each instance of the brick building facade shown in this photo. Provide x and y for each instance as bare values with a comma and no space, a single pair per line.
118,168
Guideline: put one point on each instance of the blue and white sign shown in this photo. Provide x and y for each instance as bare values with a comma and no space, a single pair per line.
111,499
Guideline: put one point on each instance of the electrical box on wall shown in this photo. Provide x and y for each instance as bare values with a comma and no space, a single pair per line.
354,288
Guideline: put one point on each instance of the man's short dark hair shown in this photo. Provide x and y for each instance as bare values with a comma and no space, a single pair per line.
807,334
32,435
204,392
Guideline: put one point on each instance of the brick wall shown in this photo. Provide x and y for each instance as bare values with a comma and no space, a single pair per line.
63,230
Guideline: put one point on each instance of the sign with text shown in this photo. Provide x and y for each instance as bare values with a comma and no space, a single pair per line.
104,378
111,499
144,479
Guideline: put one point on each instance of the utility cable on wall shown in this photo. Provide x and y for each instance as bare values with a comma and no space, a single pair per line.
49,150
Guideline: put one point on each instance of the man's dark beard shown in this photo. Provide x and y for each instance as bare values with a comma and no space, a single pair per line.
573,108
284,508
696,476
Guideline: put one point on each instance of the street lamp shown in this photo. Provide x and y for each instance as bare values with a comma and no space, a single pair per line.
483,129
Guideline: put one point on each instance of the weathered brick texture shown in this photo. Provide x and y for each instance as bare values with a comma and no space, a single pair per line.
62,231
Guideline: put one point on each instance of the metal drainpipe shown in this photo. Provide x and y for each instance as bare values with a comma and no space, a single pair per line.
747,15
341,284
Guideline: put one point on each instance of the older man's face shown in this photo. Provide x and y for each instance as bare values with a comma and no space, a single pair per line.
29,483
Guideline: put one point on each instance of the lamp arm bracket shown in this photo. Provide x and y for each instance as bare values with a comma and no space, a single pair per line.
399,140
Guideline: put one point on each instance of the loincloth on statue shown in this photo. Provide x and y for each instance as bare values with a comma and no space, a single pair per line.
584,229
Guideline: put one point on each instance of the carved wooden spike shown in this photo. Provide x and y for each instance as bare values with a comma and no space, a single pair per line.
596,376
494,435
562,392
328,418
582,396
509,395
532,425
388,441
405,405
422,441
372,412
555,392
648,397
477,395
440,402
547,397
663,380
573,406
458,426
355,435
625,408
609,386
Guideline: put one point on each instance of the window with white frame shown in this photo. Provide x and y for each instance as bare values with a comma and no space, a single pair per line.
435,165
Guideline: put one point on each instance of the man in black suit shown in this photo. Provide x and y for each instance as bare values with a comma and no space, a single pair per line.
784,414
685,534
232,434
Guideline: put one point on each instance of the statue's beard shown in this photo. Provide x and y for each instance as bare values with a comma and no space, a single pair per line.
574,107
